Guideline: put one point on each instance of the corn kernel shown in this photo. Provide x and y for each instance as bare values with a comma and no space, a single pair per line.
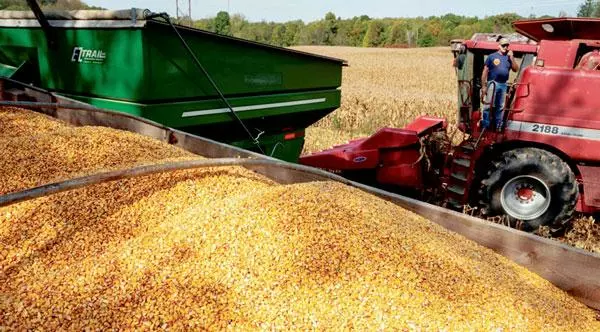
225,248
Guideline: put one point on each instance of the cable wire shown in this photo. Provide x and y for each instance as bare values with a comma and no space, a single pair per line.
167,18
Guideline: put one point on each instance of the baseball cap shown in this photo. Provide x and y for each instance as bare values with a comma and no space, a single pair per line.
503,41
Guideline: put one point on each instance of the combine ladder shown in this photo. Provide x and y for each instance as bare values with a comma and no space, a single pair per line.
461,175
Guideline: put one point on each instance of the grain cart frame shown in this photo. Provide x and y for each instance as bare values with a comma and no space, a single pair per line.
540,167
252,95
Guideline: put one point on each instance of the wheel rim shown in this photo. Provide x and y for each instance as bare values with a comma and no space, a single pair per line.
525,197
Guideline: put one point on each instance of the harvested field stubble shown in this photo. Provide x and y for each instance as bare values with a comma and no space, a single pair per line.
225,248
585,234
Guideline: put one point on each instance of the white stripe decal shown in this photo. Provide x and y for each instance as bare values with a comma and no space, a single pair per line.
254,107
105,24
553,130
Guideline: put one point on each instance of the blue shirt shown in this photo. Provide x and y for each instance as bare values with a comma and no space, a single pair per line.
499,67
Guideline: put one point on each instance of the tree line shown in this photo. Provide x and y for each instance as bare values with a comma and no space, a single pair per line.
589,8
364,31
361,31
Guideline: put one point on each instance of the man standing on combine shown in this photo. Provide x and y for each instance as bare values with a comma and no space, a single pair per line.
495,74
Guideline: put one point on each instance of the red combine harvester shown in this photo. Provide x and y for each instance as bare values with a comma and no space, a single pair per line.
540,167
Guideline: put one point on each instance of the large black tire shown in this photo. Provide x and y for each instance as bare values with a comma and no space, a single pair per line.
532,188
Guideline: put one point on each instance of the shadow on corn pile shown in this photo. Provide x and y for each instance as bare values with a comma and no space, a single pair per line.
72,251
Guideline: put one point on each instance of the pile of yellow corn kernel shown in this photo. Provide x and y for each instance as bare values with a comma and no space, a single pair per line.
44,150
222,248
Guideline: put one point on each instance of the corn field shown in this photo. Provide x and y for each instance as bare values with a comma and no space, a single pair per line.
385,88
391,87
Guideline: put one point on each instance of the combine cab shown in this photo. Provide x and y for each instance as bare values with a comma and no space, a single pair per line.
538,167
247,94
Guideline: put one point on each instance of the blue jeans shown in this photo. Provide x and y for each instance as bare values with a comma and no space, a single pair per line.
498,91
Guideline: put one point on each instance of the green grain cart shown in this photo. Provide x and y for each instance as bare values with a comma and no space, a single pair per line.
247,94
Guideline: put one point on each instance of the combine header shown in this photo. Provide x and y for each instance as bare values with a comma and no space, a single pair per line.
537,168
391,157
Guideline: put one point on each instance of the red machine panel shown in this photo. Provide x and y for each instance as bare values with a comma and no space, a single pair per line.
590,175
557,53
562,28
559,107
387,147
401,168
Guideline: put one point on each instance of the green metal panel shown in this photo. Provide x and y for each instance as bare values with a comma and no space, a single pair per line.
192,113
238,67
7,70
149,64
144,70
119,76
273,114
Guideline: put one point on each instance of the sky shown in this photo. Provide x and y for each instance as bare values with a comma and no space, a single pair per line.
311,10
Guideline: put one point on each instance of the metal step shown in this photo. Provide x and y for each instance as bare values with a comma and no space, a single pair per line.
459,190
469,147
462,162
459,176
